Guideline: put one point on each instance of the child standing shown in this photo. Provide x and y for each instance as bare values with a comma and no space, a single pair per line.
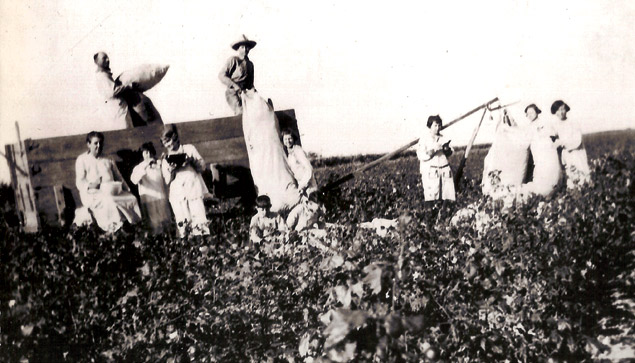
182,167
152,192
264,224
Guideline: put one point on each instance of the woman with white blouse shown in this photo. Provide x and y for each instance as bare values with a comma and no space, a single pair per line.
152,192
573,156
299,163
436,174
102,189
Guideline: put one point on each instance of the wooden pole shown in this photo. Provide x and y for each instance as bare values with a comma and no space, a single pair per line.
374,163
468,148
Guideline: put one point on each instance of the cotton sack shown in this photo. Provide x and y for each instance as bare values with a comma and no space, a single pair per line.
143,77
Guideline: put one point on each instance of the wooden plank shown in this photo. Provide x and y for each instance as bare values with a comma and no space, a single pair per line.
50,194
69,147
62,172
23,189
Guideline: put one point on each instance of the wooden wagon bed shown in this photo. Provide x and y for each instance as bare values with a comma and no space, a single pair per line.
43,170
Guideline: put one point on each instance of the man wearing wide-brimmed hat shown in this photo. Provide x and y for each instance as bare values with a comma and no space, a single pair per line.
238,73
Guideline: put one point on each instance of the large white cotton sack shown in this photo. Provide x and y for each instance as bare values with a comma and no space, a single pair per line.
267,161
507,157
143,77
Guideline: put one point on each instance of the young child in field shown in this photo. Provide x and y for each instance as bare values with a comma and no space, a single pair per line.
265,224
306,214
182,167
152,192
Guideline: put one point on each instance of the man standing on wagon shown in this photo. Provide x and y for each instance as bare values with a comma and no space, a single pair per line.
238,74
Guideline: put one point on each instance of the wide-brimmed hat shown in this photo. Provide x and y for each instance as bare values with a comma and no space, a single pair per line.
244,41
534,107
556,105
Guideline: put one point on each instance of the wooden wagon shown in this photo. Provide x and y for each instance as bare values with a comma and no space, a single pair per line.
43,170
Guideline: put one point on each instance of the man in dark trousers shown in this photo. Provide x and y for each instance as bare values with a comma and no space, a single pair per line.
238,74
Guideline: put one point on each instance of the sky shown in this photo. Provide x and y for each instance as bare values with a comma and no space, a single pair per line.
361,76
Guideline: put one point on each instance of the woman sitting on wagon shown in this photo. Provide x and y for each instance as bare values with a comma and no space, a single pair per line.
152,190
299,163
102,190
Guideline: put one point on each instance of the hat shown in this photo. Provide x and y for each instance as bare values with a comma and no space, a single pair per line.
535,108
244,41
556,105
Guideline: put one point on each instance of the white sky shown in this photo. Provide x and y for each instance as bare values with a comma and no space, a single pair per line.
362,77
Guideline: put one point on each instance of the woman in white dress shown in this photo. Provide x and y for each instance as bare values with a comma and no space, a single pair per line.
547,170
574,156
152,192
102,189
436,174
267,161
299,163
182,167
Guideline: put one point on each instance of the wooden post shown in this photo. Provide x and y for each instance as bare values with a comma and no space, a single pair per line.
374,163
60,203
468,148
22,187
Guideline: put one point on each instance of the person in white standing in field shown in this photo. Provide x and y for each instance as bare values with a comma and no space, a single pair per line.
102,189
299,163
573,156
544,150
436,173
182,166
152,191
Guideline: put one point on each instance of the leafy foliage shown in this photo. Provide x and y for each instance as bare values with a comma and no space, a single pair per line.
529,284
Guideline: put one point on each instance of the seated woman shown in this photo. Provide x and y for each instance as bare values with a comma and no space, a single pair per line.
182,167
547,171
436,174
299,163
574,157
102,189
152,191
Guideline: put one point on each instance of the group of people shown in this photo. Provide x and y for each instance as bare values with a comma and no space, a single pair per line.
126,105
555,146
176,178
172,185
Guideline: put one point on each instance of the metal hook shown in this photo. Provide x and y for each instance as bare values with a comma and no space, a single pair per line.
490,108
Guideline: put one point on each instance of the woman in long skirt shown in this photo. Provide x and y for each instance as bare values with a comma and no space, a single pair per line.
152,191
299,163
436,174
574,156
547,170
95,175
